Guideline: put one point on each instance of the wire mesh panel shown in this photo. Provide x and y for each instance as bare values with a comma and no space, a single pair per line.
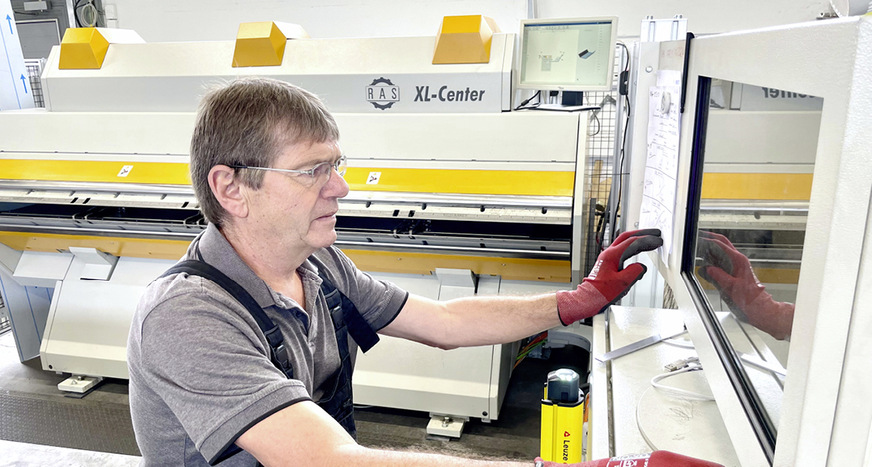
601,161
5,324
34,70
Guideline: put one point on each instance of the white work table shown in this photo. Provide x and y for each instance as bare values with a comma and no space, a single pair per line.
623,399
24,454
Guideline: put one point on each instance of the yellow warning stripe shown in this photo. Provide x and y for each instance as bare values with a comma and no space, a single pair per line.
765,276
165,173
777,276
482,182
426,263
118,246
757,186
376,261
495,182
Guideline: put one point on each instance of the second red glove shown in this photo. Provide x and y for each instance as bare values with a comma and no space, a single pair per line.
654,459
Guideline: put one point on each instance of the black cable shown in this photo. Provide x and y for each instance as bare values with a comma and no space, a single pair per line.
527,101
76,7
600,236
621,162
627,52
621,174
599,126
599,227
81,3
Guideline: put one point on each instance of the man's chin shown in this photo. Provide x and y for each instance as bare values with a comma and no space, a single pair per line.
325,240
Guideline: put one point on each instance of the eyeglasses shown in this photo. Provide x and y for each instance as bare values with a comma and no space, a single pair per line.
317,175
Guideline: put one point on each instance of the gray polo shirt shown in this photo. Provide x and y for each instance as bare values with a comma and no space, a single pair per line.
200,371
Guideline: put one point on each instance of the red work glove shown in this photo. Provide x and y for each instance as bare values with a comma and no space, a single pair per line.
731,273
654,459
608,281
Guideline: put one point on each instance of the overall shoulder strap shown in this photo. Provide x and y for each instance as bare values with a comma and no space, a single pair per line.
359,329
269,328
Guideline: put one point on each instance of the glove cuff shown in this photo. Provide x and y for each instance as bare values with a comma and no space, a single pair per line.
773,317
538,462
583,302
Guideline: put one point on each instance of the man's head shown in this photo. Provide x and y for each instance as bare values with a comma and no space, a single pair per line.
250,122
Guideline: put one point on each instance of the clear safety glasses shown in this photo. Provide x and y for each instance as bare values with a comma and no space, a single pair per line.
318,175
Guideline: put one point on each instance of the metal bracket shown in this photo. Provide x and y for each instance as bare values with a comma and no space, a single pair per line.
98,265
446,425
79,383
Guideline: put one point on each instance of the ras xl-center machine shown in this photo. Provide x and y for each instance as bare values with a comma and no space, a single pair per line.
452,194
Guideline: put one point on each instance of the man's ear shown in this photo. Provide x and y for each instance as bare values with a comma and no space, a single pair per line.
228,190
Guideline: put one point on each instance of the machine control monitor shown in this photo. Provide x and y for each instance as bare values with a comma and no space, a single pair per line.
575,54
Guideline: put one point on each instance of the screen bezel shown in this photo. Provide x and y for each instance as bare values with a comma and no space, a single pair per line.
820,59
760,422
567,87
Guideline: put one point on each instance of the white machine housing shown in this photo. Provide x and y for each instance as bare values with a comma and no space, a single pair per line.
69,183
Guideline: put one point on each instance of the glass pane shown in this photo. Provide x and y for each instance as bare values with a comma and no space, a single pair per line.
760,146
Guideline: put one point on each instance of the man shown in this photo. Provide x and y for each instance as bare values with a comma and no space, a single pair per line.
208,384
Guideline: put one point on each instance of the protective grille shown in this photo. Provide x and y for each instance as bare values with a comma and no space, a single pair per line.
5,324
601,159
34,70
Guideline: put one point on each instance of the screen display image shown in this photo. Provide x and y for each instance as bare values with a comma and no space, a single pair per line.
573,55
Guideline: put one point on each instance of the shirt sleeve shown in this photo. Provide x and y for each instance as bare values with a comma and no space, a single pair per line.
379,302
206,358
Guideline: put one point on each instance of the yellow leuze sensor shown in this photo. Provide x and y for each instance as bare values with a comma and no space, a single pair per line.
562,418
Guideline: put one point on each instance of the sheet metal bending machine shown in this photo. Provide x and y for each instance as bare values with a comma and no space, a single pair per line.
451,193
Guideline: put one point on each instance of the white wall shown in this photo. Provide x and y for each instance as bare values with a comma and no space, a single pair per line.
703,16
199,20
204,20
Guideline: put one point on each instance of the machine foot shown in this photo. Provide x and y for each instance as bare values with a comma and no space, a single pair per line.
79,384
446,425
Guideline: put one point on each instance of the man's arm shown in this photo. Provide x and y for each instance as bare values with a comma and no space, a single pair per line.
493,320
471,321
303,434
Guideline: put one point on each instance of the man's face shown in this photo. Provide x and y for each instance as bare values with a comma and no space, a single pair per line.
294,211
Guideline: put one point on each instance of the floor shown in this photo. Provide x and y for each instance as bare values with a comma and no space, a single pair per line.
96,429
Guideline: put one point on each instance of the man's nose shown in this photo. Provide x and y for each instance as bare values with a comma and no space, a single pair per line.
336,186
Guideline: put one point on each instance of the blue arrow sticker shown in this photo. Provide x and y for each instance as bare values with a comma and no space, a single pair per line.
9,21
24,83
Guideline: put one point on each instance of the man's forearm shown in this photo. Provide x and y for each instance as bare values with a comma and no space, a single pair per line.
494,320
362,456
304,434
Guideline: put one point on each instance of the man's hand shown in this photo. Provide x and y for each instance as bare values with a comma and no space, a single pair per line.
654,459
608,281
731,273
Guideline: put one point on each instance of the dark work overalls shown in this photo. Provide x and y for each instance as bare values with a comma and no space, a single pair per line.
337,398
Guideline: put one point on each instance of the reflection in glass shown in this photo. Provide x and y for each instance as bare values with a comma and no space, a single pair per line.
732,275
758,161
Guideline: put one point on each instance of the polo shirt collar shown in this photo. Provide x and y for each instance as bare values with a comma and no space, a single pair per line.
217,251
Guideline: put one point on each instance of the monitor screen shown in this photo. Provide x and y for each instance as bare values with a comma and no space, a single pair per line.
575,54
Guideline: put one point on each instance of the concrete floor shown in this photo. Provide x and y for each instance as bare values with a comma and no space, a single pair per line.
38,422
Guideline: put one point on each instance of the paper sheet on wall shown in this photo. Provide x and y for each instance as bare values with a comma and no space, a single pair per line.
661,167
15,92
